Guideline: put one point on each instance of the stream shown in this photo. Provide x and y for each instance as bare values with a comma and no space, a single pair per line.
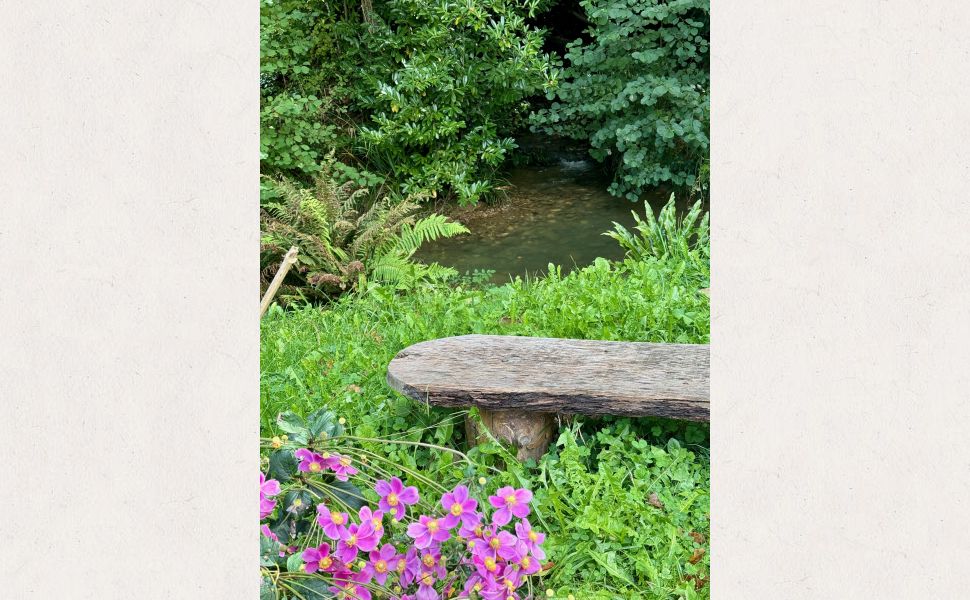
552,214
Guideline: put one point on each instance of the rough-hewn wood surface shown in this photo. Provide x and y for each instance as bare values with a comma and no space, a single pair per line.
550,375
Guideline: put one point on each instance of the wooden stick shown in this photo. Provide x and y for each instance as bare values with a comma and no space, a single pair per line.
288,261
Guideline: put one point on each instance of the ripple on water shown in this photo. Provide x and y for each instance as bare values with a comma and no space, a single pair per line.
554,214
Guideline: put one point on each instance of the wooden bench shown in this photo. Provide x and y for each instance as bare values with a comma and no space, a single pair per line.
519,384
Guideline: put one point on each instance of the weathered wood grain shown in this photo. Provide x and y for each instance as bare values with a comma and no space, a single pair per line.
548,375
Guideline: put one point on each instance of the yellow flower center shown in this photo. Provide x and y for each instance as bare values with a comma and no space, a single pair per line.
510,499
433,525
315,466
352,539
345,461
428,560
490,563
426,579
477,587
325,562
297,503
478,531
533,536
456,509
495,543
525,562
337,518
376,523
401,563
380,566
392,499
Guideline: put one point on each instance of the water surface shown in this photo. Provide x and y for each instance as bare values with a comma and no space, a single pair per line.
552,214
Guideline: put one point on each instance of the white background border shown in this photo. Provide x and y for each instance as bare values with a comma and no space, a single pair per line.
128,324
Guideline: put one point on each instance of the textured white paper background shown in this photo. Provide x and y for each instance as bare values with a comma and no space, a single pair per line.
840,374
129,342
129,361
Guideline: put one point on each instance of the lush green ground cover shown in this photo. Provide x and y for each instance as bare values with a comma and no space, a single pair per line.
625,501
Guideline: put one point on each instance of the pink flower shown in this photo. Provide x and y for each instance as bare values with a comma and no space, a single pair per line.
528,564
318,559
488,567
267,488
348,586
426,587
426,531
334,524
510,502
358,537
531,538
382,563
408,566
375,518
341,467
311,462
503,545
431,561
460,508
394,496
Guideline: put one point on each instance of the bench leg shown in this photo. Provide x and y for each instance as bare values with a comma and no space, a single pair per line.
530,433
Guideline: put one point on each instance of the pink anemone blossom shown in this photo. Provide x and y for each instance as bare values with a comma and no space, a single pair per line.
349,586
382,563
394,496
318,559
358,537
374,517
334,524
267,489
311,462
427,531
531,538
460,508
510,502
341,467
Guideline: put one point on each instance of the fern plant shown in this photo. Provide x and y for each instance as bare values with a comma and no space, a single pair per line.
346,237
667,235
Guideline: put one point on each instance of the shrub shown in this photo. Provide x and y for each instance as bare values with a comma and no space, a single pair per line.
423,94
639,91
343,244
453,90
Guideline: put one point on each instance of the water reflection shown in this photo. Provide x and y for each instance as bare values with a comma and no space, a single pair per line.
554,214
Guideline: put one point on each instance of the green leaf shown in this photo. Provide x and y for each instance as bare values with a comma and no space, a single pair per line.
293,562
267,591
290,422
282,465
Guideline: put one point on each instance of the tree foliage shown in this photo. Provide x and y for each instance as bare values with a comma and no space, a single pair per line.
639,91
426,94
